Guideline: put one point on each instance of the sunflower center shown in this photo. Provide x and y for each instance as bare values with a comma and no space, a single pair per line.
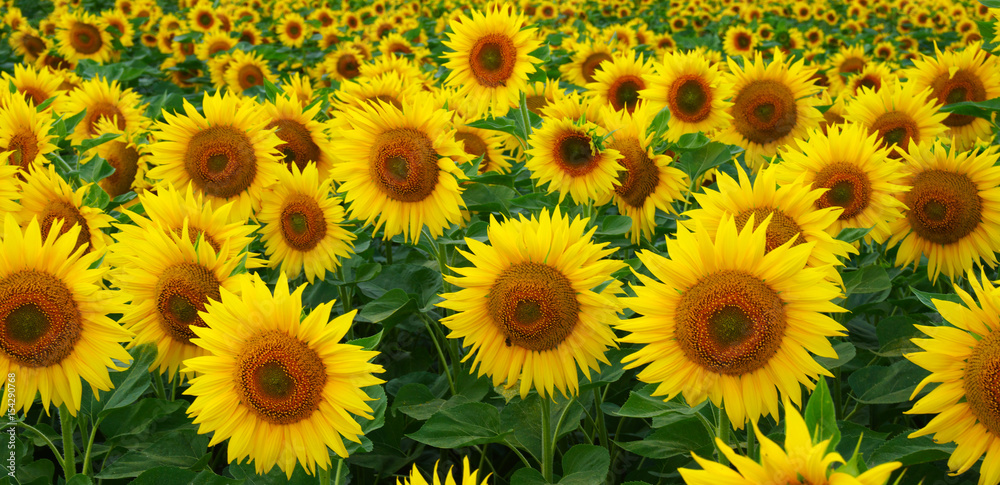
575,153
85,38
851,65
250,76
475,146
535,103
181,292
99,110
849,187
944,206
764,111
963,86
194,234
896,129
492,59
218,47
125,160
534,305
70,215
303,223
639,179
404,164
299,147
689,99
221,161
205,19
730,322
39,319
347,66
982,382
280,378
592,63
25,147
743,40
779,231
294,31
624,92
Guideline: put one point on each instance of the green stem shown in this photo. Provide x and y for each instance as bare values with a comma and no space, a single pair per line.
158,386
599,419
388,251
838,403
722,432
340,467
442,255
548,444
323,475
345,297
519,454
751,443
69,448
90,445
173,385
52,446
437,345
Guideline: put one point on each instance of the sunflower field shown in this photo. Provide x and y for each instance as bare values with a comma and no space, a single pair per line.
528,242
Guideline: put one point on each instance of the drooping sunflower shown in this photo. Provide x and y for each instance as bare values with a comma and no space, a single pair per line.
278,386
125,155
860,178
490,60
36,85
772,104
82,35
564,154
304,140
103,99
227,154
28,43
24,133
292,30
963,359
647,182
694,91
247,70
468,476
802,461
619,82
727,320
45,196
739,41
900,114
953,77
397,167
954,210
586,58
302,225
170,279
527,307
53,318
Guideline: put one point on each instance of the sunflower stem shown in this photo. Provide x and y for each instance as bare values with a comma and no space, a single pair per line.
69,449
525,117
85,469
340,467
548,445
751,444
51,445
323,475
444,361
174,384
345,297
158,386
838,403
388,252
722,433
602,427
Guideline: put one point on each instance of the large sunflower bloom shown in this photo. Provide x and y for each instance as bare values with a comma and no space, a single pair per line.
226,153
24,133
247,70
566,156
47,197
103,99
278,386
693,90
963,358
36,85
954,210
527,307
490,62
727,320
82,35
398,169
468,476
899,114
52,318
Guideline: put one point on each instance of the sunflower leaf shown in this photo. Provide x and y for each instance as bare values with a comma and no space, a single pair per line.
879,384
869,279
678,438
468,424
979,109
820,416
585,465
130,384
928,298
851,234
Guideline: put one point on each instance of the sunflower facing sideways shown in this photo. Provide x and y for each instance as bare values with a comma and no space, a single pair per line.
565,155
24,133
527,307
693,90
103,99
225,153
47,197
962,358
306,141
954,210
280,387
53,319
726,320
468,476
490,62
586,59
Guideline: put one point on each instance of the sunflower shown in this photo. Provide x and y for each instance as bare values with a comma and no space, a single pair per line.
619,82
848,61
278,386
128,158
28,43
213,43
796,210
540,94
24,133
119,26
954,210
860,178
247,70
304,140
201,17
527,307
962,358
874,76
302,225
343,63
468,476
648,182
801,461
586,59
900,114
82,35
389,87
739,41
397,167
566,155
693,90
101,99
47,197
490,62
967,75
772,104
292,30
727,320
36,85
226,153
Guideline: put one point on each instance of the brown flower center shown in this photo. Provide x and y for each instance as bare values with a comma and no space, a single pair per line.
221,161
849,188
982,382
125,160
298,147
591,64
85,38
624,92
101,110
181,292
492,59
764,111
690,99
779,231
896,130
70,215
279,378
24,148
944,206
475,146
39,317
641,176
534,305
963,86
404,164
303,223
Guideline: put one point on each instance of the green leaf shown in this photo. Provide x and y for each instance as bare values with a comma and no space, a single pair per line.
180,448
166,475
487,198
528,476
979,109
642,404
693,141
80,480
678,438
869,279
894,334
821,416
96,170
96,197
851,234
886,385
388,308
991,3
910,451
138,418
585,465
135,382
928,298
522,416
696,163
496,124
614,226
368,343
416,401
38,472
660,123
89,143
467,424
845,353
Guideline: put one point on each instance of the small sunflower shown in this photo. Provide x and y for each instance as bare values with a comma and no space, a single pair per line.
585,61
302,225
566,155
213,43
226,153
527,307
247,70
874,76
82,35
119,26
477,142
397,167
772,104
343,63
849,60
739,41
954,210
619,82
468,476
45,196
201,17
490,62
53,318
305,140
24,134
900,114
103,99
28,43
128,158
860,178
36,85
694,92
727,320
292,30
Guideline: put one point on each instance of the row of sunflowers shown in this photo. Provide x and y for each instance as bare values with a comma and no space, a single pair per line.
545,242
